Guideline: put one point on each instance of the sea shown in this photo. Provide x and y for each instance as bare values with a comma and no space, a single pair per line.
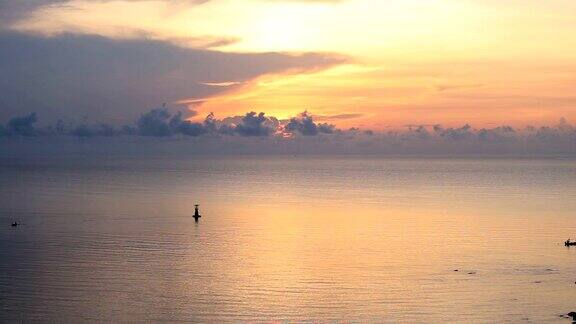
287,239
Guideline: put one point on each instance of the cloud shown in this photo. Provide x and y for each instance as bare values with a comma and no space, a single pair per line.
14,10
337,117
156,122
221,84
110,79
253,124
257,133
103,130
456,134
198,42
23,126
191,128
304,124
160,122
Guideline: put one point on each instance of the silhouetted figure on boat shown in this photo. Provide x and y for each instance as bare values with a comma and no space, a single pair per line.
568,243
196,213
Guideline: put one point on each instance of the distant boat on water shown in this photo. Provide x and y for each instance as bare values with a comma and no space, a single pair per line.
569,243
196,213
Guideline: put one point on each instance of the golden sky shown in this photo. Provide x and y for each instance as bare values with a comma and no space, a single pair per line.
412,61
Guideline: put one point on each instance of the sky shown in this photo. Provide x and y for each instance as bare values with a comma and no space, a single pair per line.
373,64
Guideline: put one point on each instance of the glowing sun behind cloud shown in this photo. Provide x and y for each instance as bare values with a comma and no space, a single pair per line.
434,61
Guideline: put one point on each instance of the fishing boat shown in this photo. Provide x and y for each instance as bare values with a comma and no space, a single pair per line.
569,243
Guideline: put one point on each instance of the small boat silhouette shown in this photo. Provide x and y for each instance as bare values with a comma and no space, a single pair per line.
196,213
15,224
569,243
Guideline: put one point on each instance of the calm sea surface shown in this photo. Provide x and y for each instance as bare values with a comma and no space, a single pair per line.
287,238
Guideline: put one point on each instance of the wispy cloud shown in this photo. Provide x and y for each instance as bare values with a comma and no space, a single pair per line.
222,84
338,116
13,10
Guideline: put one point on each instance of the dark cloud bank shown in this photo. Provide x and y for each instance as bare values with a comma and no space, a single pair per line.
109,79
161,132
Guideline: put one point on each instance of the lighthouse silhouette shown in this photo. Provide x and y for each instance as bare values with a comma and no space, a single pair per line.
196,213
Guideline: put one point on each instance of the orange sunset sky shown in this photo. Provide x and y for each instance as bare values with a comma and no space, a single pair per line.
483,62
